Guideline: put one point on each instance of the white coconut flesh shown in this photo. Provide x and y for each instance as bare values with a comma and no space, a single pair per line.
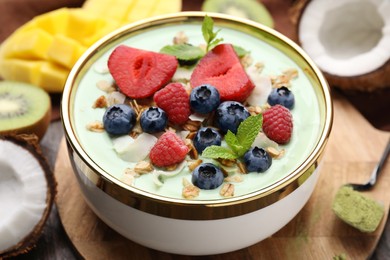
346,37
23,194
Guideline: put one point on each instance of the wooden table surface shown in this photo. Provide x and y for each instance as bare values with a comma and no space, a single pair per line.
54,243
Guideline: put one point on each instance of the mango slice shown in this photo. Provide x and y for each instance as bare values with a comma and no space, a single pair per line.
126,11
65,51
43,51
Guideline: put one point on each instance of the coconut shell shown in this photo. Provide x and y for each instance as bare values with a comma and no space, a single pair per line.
375,80
30,142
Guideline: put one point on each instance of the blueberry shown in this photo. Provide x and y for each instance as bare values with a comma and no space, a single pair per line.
207,176
206,136
153,120
257,160
282,96
119,119
229,115
204,99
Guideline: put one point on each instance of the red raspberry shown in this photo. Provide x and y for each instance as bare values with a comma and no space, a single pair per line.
278,124
175,101
168,150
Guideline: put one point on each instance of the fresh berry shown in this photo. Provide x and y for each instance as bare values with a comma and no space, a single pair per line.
257,160
205,137
119,119
229,115
175,101
282,96
204,99
153,120
278,124
139,73
168,150
207,176
222,69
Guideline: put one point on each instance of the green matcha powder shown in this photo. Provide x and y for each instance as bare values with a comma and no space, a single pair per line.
357,210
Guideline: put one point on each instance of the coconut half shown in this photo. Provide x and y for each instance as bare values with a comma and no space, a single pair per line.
349,40
27,190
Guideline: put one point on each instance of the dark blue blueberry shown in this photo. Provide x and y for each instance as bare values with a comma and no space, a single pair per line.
119,119
207,176
153,120
205,137
257,160
282,96
204,99
229,116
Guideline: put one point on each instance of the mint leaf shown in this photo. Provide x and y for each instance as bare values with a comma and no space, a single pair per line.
241,52
247,132
183,51
208,34
232,141
216,152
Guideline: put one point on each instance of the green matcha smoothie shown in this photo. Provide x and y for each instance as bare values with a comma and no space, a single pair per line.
306,113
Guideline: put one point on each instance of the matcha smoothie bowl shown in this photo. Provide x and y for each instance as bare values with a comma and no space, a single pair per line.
192,128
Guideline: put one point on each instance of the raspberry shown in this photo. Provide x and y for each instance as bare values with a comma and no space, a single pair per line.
168,150
277,124
175,101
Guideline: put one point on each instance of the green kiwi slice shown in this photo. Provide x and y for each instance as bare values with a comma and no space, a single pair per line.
24,108
250,9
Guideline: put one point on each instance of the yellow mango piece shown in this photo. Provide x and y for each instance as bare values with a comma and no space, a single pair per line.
20,70
140,10
31,44
88,28
54,22
97,7
166,6
51,77
48,76
65,51
116,10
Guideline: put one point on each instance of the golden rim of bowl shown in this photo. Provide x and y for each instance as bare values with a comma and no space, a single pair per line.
198,209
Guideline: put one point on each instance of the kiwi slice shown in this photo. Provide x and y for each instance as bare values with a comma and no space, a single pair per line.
27,191
24,108
249,9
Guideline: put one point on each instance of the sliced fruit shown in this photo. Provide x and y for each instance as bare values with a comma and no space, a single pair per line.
64,51
27,190
61,36
126,11
44,74
32,44
222,69
139,73
87,28
140,10
249,9
54,22
353,55
23,109
43,50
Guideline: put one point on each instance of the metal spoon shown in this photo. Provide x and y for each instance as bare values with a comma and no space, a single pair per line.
375,173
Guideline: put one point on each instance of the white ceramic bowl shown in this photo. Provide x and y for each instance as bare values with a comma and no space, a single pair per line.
191,227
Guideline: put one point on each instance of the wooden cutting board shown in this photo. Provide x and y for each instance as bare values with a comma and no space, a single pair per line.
315,233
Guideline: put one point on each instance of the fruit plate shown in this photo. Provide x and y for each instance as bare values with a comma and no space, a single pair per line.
315,233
